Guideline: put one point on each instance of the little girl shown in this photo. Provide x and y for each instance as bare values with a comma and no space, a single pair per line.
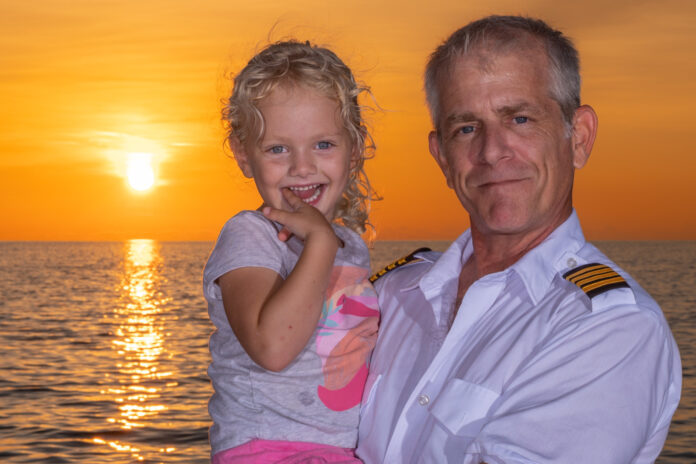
286,285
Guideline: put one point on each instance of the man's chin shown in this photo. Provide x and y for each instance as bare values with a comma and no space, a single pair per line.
502,221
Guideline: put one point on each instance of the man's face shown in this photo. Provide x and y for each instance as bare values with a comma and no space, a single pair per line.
503,144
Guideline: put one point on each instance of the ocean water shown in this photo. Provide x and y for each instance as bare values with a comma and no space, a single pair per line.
103,346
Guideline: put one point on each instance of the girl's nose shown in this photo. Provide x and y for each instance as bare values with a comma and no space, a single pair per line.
302,164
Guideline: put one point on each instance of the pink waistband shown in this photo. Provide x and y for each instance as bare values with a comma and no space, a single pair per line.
285,452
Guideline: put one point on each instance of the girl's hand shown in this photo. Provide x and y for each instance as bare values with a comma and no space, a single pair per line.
303,221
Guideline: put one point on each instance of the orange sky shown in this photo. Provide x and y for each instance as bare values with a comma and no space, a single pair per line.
83,83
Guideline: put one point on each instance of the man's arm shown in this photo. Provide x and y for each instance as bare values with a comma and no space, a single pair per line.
598,392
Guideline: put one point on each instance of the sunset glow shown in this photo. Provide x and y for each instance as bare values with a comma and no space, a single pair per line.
111,112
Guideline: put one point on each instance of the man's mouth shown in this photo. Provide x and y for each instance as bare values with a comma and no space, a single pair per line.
308,193
500,182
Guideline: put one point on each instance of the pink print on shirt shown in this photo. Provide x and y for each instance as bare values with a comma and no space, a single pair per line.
347,335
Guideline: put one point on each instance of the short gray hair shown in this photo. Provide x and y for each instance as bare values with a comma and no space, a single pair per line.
500,33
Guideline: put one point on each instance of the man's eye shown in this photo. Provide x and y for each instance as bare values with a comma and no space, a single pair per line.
521,119
466,129
324,145
277,149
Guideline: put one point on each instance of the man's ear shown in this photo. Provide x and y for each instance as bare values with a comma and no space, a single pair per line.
584,133
241,157
439,155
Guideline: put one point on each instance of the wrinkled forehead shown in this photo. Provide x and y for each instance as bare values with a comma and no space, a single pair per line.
528,61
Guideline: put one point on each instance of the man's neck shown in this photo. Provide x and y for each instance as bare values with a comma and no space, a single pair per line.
494,253
497,252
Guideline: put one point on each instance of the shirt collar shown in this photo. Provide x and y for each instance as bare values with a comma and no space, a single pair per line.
447,267
556,253
537,268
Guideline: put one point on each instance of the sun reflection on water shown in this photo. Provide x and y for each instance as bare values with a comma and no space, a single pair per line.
139,342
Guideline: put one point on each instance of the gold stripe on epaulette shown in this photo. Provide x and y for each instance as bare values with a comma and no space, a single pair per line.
595,278
601,283
411,258
582,271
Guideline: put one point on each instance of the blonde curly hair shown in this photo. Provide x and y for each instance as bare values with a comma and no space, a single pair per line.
318,68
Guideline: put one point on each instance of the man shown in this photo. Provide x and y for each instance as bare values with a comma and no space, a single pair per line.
522,343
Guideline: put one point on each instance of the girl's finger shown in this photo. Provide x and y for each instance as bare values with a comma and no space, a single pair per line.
273,214
293,200
278,215
284,234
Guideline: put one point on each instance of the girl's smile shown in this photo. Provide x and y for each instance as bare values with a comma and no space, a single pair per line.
309,193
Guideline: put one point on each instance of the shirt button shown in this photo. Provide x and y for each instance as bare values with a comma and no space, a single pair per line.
571,262
423,400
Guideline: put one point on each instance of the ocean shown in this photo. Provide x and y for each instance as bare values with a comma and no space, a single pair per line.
104,346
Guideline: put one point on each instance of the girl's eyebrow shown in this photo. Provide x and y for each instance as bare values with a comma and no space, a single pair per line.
285,136
330,135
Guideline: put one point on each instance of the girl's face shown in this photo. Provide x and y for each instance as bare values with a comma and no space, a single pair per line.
304,148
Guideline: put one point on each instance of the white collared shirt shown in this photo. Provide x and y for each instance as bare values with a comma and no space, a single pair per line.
532,370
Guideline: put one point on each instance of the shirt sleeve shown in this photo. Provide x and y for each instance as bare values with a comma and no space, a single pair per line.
592,392
246,240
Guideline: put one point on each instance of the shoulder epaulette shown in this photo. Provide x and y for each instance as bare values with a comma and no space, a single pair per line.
595,279
411,258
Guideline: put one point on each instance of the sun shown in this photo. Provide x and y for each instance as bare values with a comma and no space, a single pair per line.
141,176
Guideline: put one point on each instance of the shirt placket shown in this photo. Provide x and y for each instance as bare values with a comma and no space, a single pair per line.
478,299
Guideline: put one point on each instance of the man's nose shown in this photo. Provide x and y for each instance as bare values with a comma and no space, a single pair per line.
302,163
494,145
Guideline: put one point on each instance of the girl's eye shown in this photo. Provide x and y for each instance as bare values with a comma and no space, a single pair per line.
521,119
277,149
324,145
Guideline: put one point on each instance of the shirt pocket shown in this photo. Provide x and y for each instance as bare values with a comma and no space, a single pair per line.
462,407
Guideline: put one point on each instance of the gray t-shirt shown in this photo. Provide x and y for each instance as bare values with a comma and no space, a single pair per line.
317,397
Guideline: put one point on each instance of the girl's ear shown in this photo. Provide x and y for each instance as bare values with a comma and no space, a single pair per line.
241,157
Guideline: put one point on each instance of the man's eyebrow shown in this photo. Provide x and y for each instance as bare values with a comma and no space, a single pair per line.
509,110
456,118
468,116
